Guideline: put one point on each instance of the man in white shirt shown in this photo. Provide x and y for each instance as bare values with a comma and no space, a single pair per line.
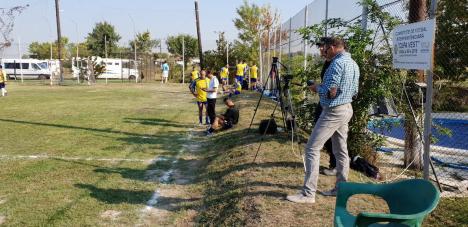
211,95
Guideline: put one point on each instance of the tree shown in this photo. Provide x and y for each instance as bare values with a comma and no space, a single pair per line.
174,45
42,50
215,59
103,36
452,23
83,50
252,21
7,17
144,43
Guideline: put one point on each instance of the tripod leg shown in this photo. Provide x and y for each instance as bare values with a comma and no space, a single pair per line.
258,104
264,133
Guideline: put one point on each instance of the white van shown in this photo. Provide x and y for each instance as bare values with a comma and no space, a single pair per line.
29,68
115,68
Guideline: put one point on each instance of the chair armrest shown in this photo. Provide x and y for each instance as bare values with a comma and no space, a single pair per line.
365,218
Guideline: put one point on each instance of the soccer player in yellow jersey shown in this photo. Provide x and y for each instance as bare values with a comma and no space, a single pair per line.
253,76
199,93
3,80
195,74
224,75
240,71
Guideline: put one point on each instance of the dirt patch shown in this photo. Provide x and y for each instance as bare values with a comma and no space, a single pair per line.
111,214
2,219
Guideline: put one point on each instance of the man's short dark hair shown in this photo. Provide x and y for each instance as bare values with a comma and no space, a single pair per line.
226,99
332,41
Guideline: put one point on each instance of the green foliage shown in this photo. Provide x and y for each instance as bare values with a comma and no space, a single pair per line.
82,49
103,33
377,76
451,98
144,43
174,45
215,59
451,58
41,50
252,21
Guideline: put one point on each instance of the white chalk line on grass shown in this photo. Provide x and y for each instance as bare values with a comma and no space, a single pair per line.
40,157
164,179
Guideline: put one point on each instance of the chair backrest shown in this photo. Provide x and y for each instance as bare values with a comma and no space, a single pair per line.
411,196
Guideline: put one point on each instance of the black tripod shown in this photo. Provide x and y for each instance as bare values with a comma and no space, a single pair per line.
280,88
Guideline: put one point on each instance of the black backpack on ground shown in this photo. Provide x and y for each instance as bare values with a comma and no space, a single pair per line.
272,127
360,164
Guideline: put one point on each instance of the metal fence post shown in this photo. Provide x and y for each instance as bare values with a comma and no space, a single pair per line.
428,107
365,10
260,56
289,40
274,42
305,40
280,42
326,18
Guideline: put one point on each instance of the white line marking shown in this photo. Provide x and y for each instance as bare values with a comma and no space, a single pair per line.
164,179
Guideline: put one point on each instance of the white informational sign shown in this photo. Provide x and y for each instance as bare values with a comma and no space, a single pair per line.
413,45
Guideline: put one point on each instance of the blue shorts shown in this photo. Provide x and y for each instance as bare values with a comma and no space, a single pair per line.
240,78
254,80
2,85
224,79
198,103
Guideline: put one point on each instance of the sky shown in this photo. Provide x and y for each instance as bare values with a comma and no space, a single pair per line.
162,18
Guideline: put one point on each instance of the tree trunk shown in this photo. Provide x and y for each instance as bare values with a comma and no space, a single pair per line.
413,142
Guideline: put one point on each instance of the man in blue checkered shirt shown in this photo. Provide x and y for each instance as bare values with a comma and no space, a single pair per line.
336,92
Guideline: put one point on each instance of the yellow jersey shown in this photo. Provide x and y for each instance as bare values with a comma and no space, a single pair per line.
238,86
253,72
240,69
224,72
195,74
201,84
3,76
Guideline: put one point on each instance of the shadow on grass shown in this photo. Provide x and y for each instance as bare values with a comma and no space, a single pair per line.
156,122
138,197
117,196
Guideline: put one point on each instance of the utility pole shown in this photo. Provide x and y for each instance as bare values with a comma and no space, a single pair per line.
428,107
183,60
105,45
413,142
227,53
135,65
59,38
200,49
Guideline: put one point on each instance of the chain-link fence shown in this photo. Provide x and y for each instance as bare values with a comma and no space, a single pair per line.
449,149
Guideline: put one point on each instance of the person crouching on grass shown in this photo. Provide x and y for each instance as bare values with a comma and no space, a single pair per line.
229,118
212,94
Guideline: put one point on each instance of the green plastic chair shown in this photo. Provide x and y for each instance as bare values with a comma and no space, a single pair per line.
409,202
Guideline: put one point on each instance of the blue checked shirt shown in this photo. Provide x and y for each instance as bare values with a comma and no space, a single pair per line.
343,73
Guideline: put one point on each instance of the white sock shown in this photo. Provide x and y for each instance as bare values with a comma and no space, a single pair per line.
4,91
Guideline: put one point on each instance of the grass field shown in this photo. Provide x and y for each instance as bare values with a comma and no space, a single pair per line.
79,155
132,155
